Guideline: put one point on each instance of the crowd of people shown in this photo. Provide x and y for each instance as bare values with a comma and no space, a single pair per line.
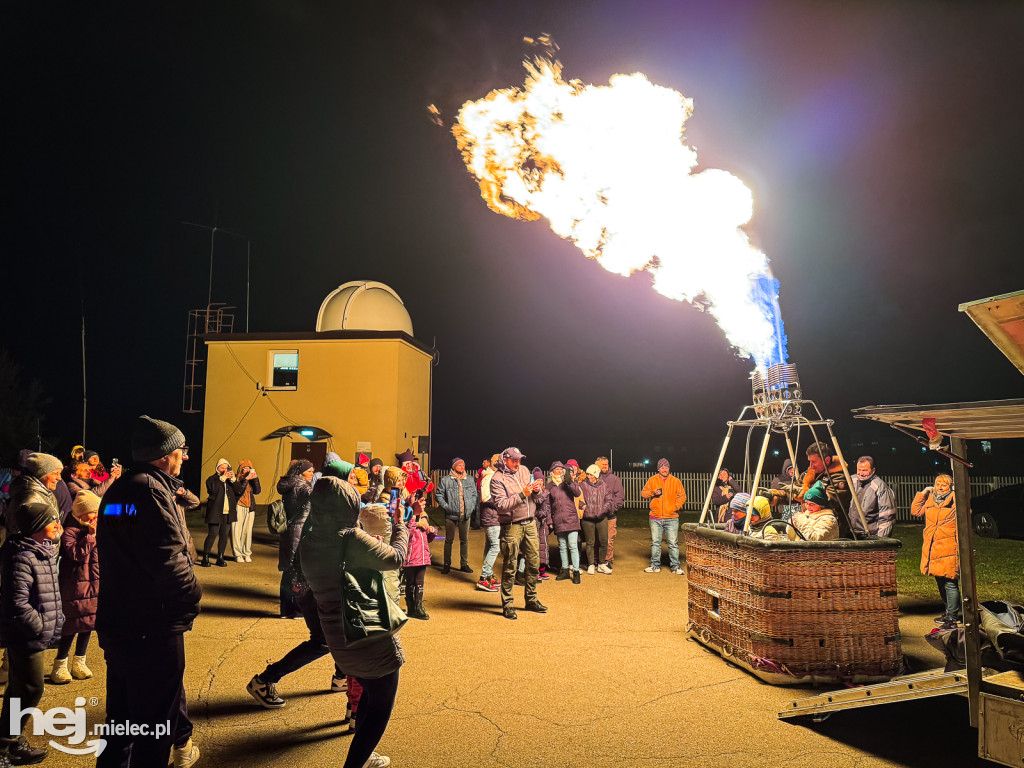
61,521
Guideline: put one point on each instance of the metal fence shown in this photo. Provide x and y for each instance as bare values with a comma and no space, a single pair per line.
696,484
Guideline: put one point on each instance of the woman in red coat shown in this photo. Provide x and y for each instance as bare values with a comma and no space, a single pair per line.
79,588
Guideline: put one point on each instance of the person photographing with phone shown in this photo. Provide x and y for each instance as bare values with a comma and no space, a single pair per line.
223,490
512,495
241,529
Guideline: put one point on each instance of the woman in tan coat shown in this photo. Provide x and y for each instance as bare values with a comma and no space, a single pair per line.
939,555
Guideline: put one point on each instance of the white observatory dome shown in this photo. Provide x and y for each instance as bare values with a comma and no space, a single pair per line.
363,305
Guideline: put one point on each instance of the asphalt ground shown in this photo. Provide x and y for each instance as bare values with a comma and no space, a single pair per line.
607,678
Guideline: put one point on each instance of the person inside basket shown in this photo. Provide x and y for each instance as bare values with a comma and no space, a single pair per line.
816,521
738,513
826,470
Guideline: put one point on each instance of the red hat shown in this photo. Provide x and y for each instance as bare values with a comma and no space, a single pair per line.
572,463
362,459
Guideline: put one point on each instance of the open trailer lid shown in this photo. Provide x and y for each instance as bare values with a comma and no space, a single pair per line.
985,420
1001,318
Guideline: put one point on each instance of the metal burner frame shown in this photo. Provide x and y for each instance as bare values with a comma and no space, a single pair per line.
778,408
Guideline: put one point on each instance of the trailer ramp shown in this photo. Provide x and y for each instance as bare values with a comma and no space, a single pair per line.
922,685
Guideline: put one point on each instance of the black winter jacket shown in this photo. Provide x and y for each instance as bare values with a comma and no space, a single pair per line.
215,490
147,586
295,491
30,612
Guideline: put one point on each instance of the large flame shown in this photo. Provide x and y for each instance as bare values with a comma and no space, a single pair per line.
607,167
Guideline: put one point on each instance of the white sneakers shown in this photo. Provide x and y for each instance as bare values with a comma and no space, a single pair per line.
652,569
677,571
186,756
59,675
603,568
590,570
377,761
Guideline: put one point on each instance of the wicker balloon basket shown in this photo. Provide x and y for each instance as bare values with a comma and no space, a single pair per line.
795,612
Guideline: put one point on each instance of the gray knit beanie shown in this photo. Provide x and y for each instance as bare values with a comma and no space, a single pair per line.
41,464
153,439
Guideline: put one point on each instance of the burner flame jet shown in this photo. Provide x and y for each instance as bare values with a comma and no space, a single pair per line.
608,168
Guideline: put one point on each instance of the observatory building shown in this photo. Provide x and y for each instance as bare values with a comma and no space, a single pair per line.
359,383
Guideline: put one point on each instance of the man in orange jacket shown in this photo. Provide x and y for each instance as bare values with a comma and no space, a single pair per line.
667,497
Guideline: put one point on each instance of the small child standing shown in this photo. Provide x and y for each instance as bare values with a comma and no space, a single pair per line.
30,619
79,588
421,533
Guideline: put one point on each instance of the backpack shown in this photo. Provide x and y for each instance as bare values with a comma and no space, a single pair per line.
277,518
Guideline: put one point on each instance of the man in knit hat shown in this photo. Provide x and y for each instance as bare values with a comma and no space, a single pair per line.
35,487
667,497
148,599
456,495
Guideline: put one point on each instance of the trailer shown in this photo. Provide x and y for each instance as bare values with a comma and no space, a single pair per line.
996,699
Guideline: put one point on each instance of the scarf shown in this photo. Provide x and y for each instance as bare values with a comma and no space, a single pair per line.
941,497
462,497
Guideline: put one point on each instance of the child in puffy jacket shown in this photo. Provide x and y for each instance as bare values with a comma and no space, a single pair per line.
79,588
30,620
421,533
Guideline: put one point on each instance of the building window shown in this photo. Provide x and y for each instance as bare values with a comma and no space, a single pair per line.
284,369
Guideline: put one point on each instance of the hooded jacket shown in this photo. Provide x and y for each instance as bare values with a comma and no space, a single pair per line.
216,490
784,479
940,555
295,491
328,539
252,485
30,611
146,584
79,578
27,491
510,501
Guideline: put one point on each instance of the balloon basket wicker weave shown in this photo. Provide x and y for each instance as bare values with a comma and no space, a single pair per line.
795,612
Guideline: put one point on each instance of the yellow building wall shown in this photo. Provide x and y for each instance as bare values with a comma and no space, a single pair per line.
359,390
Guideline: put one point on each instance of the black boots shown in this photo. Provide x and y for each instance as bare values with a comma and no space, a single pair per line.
414,604
562,575
205,562
576,576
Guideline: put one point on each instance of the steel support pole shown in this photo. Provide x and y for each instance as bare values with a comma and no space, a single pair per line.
849,484
714,477
757,476
968,584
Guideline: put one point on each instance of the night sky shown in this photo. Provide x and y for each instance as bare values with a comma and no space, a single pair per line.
882,141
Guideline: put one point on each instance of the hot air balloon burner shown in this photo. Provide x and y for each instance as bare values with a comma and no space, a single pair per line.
778,407
777,393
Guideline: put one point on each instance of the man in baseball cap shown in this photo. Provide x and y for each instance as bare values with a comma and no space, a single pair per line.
512,492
